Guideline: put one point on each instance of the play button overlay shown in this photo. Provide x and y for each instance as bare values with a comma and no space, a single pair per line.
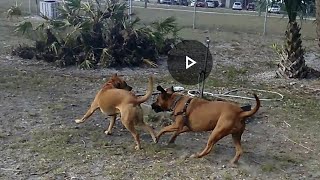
187,60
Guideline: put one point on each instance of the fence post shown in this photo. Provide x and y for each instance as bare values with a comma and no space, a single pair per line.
30,7
194,15
265,19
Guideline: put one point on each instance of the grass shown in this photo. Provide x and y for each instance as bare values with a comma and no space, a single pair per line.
86,148
268,168
227,176
227,23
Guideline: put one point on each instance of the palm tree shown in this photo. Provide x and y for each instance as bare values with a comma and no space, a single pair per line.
292,63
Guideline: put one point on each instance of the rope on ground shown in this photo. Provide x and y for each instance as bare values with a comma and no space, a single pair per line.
227,94
194,93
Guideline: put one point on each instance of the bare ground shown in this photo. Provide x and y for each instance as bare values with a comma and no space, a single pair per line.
40,140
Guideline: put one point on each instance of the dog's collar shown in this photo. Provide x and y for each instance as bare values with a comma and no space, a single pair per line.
174,104
184,111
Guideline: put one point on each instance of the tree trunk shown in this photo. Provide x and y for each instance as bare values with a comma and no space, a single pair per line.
318,20
292,63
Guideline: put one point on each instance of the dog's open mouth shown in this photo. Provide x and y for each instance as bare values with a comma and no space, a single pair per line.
156,108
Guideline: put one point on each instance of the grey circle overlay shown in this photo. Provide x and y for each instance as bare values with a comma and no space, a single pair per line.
177,62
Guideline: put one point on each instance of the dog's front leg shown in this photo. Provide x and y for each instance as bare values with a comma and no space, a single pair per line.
170,128
176,134
112,121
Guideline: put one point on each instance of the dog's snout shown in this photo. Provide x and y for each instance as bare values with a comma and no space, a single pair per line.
156,107
153,105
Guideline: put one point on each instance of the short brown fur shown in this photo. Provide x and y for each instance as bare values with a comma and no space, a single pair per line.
113,101
223,118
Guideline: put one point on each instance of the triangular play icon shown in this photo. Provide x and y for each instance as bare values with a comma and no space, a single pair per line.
189,62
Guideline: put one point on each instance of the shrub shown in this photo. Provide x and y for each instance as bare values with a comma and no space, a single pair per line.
90,33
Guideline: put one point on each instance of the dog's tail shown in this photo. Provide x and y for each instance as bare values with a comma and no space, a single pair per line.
245,114
148,93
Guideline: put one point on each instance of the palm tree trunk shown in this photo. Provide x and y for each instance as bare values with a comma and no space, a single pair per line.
318,20
292,63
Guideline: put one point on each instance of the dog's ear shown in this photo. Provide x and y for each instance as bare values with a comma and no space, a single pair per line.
159,88
115,75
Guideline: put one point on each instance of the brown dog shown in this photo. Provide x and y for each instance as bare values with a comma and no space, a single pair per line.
113,101
195,114
115,82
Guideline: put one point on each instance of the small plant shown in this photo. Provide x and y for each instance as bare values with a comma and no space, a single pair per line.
14,10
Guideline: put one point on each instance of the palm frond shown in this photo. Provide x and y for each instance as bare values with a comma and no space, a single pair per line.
150,63
23,27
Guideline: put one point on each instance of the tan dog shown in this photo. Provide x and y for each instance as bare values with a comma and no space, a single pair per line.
195,114
113,101
115,82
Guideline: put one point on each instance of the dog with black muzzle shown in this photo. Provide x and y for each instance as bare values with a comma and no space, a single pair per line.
196,114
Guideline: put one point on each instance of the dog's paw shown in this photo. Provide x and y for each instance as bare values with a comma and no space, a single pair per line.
108,132
194,156
137,148
156,140
78,121
233,164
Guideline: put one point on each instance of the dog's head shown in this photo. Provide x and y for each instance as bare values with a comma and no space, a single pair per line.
164,99
116,82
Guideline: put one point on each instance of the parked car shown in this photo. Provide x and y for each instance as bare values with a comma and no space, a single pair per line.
237,6
274,9
251,7
212,3
166,2
201,3
182,2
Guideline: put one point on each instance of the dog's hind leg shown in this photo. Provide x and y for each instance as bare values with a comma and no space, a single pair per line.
218,133
94,106
176,134
135,135
112,121
129,124
237,142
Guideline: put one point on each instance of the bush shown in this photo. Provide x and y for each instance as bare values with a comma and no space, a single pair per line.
89,34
